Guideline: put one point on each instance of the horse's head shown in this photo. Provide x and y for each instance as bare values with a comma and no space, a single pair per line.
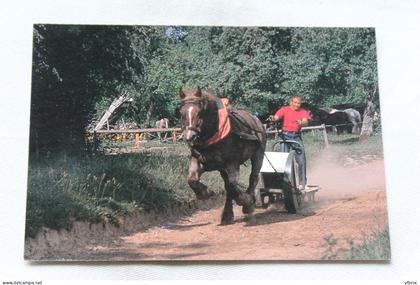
195,108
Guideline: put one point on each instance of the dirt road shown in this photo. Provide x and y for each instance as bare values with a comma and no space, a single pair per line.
351,204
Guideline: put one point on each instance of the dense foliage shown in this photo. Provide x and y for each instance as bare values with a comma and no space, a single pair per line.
76,69
79,70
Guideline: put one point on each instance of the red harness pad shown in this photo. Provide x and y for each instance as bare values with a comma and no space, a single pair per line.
224,127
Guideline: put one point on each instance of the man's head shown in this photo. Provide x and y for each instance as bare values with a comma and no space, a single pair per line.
295,102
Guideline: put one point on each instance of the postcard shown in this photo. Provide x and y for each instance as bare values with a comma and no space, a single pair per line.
205,143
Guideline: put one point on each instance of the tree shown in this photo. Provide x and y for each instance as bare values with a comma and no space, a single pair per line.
366,79
239,63
334,66
79,70
257,68
74,67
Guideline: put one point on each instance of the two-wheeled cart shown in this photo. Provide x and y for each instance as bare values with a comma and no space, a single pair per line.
280,181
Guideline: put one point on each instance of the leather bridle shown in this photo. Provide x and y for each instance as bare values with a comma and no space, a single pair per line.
197,128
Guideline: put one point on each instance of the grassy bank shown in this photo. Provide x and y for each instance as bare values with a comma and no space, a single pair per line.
62,188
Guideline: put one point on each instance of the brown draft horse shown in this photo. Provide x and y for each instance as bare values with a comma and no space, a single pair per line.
201,122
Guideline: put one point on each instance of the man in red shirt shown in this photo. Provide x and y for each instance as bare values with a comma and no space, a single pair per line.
294,118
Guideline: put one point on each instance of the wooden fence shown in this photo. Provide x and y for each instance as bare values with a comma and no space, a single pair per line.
139,133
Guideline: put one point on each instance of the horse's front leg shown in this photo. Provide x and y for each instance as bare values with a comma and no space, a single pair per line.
240,197
194,175
227,215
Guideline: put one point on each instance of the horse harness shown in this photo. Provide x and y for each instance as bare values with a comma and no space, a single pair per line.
238,122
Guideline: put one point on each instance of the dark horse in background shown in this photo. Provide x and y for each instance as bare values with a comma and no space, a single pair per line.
220,139
339,118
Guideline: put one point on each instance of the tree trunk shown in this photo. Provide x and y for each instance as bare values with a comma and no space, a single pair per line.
108,113
368,116
149,116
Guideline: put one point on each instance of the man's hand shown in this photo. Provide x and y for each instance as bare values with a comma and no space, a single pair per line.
272,118
303,122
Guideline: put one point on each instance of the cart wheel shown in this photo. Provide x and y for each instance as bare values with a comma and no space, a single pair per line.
292,198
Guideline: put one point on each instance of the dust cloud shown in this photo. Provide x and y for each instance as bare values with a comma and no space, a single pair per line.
339,179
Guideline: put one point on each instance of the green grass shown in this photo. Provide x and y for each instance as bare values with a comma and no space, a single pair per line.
375,247
62,189
343,145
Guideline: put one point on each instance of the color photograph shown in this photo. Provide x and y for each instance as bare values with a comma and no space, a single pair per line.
205,143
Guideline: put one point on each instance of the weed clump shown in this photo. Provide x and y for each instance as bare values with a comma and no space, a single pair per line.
375,247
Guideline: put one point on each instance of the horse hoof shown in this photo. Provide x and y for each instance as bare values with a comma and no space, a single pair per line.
227,219
248,209
226,222
244,200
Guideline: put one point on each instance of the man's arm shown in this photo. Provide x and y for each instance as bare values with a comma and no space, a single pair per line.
305,120
303,123
277,116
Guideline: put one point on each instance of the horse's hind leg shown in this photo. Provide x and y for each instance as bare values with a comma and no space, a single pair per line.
194,175
256,164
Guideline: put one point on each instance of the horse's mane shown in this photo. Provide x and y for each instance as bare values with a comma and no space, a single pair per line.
210,96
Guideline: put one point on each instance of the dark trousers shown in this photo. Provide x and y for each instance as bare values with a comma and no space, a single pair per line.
299,153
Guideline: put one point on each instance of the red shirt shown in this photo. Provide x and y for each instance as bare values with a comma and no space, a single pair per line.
290,118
